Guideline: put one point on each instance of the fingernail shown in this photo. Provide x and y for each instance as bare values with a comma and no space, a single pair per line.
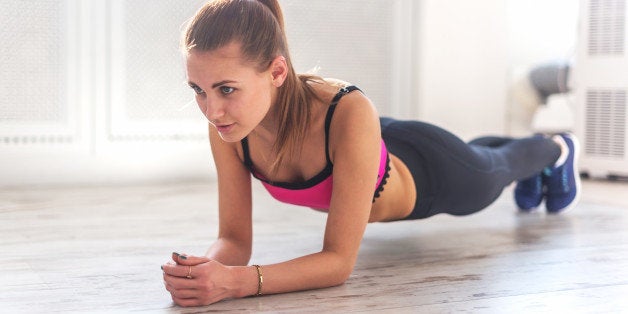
162,267
175,253
182,257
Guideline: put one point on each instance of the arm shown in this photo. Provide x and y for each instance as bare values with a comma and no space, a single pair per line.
211,279
354,147
233,246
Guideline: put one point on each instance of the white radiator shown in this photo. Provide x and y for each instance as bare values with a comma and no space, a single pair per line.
600,81
95,91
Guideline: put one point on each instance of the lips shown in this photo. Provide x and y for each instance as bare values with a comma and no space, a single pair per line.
224,128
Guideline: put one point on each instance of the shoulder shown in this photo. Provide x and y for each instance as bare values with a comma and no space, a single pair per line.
355,110
355,123
354,101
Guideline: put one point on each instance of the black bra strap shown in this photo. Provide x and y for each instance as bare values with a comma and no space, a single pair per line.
330,112
245,151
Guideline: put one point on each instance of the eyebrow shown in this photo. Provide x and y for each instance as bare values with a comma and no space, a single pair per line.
215,84
222,83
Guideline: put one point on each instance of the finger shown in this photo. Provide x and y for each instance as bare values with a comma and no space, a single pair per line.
178,270
179,299
197,301
186,302
180,283
185,293
189,260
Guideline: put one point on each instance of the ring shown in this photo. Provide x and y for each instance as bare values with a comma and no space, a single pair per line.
189,276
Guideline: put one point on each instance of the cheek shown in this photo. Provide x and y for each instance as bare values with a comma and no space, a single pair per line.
252,102
200,102
200,106
260,106
263,98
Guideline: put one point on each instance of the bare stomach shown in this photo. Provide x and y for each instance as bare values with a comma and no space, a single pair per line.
399,195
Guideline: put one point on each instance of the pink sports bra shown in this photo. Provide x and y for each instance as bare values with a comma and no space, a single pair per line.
316,192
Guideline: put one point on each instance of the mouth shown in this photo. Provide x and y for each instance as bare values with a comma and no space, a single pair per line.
224,128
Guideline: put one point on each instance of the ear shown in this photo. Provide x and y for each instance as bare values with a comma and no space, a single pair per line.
278,70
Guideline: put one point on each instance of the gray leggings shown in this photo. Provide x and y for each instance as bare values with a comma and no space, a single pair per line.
460,178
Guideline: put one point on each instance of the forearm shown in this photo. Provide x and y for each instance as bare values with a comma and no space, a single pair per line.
229,252
319,270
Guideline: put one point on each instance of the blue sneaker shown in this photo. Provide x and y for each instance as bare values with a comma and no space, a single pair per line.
529,193
563,182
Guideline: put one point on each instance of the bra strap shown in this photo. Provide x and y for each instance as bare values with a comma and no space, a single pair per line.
330,112
245,151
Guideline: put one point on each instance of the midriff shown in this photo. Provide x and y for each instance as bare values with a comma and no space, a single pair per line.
399,196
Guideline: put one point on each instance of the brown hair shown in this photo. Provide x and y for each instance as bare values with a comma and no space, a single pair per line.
259,27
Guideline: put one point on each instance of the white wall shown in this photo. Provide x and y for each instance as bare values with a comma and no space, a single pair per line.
72,116
95,92
119,118
473,53
463,65
539,31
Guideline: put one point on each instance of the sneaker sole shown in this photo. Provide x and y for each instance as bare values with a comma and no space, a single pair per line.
530,210
574,202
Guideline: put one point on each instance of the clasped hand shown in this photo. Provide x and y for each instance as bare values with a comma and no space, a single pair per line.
196,281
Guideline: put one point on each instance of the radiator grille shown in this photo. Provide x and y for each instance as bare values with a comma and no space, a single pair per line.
32,79
155,75
350,40
605,123
353,41
606,25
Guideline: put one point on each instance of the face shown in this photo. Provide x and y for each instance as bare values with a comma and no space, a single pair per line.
232,94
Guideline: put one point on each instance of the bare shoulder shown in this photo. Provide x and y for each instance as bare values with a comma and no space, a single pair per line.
354,114
355,102
355,124
356,111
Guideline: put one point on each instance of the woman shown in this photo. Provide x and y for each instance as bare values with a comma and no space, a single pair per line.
320,143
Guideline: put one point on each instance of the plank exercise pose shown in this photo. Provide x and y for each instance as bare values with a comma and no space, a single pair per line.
320,143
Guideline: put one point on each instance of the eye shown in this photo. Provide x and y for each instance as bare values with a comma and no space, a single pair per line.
197,89
226,90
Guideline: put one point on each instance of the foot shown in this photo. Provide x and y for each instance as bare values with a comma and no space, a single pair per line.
563,180
529,193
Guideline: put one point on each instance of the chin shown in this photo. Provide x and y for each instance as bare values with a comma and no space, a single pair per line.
230,134
232,137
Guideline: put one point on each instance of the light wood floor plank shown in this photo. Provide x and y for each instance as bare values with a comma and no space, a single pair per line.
98,249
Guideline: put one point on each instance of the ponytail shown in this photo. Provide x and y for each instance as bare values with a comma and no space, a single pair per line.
274,7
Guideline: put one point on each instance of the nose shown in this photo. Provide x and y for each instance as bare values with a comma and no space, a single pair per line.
212,109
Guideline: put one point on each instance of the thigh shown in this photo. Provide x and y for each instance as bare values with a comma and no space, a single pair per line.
457,178
451,176
491,141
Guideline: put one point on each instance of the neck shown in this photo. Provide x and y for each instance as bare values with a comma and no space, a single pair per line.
267,134
268,128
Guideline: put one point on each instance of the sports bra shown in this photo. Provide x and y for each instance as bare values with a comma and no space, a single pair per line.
316,192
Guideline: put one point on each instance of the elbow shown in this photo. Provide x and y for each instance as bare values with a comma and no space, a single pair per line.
346,274
340,267
342,275
341,279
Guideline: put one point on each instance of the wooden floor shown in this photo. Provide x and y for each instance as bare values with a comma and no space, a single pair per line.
99,249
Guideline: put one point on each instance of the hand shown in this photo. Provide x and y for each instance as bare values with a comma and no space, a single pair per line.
195,281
